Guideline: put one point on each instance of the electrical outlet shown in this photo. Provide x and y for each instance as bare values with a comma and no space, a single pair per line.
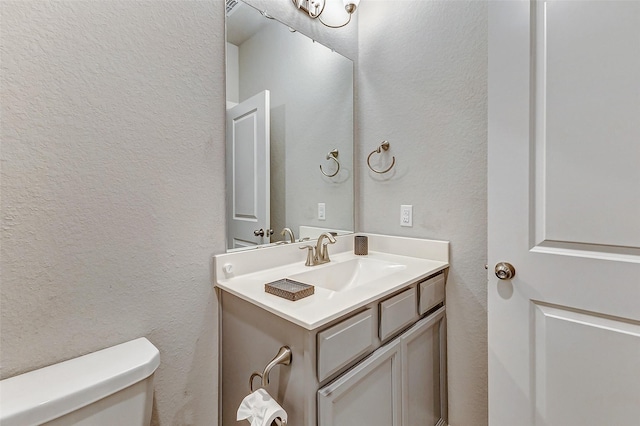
321,211
406,215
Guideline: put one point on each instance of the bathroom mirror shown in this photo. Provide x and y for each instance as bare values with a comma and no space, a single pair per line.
289,132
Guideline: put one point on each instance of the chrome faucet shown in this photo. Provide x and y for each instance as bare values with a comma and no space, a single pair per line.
320,253
321,249
288,231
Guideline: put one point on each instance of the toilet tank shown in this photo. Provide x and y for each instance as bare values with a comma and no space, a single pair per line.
113,386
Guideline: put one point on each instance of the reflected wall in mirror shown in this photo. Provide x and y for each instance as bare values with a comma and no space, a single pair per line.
289,111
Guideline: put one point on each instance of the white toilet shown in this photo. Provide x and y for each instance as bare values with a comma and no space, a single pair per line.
113,386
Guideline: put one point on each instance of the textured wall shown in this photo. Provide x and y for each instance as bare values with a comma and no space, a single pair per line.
113,187
422,85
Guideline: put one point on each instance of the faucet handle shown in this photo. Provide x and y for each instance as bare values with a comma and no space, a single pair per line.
310,255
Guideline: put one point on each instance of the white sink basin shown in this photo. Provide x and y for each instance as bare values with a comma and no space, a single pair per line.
340,276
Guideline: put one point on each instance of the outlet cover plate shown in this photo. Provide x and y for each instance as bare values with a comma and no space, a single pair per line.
406,215
321,211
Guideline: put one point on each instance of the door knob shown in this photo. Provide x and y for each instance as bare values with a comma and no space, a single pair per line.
261,232
505,270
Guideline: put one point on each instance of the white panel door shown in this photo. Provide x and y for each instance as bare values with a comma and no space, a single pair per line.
564,210
248,172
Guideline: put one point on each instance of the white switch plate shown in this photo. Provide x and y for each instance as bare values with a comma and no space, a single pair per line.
321,211
406,215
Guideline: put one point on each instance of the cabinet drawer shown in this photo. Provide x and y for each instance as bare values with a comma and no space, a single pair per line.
345,343
431,293
368,394
397,312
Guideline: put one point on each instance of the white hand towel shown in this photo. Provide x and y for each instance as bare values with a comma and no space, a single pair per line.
259,409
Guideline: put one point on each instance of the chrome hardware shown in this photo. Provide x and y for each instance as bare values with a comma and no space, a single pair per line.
310,255
292,239
253,375
332,155
320,253
384,146
282,358
313,7
261,232
505,271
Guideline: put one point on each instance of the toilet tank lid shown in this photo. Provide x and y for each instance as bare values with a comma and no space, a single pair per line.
50,392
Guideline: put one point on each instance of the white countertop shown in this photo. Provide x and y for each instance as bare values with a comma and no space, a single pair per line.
246,280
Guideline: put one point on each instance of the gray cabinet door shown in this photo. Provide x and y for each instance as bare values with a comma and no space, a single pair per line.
368,394
422,372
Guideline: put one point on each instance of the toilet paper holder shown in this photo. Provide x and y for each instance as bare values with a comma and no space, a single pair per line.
283,357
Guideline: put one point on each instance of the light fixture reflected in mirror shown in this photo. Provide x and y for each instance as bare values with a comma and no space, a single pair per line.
314,9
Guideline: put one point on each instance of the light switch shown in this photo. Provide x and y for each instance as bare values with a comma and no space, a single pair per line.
321,211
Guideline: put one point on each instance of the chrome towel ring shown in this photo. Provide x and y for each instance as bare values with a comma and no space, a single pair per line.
332,155
384,146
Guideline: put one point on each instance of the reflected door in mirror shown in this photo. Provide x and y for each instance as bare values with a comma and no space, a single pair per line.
248,172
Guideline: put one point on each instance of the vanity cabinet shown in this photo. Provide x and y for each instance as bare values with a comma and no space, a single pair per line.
399,384
382,364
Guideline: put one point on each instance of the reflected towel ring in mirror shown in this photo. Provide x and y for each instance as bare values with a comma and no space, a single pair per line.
384,146
333,155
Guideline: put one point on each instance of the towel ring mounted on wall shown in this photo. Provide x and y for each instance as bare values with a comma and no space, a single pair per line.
384,146
332,155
